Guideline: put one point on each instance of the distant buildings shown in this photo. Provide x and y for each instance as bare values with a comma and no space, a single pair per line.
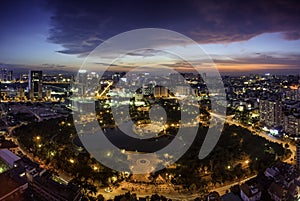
35,85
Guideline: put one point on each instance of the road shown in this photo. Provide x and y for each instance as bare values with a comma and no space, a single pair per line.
222,190
174,195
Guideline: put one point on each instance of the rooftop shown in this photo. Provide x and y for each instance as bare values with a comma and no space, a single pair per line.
8,184
8,156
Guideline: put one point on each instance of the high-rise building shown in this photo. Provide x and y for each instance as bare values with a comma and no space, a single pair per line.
82,82
292,124
3,74
292,93
35,85
270,112
182,90
160,91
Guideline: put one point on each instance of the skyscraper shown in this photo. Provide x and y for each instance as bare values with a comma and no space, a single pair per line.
35,85
10,75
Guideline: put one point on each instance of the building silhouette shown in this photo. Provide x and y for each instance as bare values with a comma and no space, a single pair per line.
35,85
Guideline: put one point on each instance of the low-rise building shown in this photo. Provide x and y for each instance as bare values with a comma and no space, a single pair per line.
285,181
46,189
250,192
11,188
9,157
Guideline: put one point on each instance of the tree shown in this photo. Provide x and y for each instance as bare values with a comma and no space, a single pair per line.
235,189
155,197
286,145
100,197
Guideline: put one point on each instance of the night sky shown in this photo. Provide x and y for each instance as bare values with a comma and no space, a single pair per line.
241,36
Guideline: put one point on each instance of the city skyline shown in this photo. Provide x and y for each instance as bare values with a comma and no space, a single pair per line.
251,37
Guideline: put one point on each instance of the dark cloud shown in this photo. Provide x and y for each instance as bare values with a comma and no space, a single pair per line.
53,66
17,68
79,26
146,53
292,35
291,60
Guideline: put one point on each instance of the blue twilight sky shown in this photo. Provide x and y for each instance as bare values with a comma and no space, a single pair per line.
246,36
